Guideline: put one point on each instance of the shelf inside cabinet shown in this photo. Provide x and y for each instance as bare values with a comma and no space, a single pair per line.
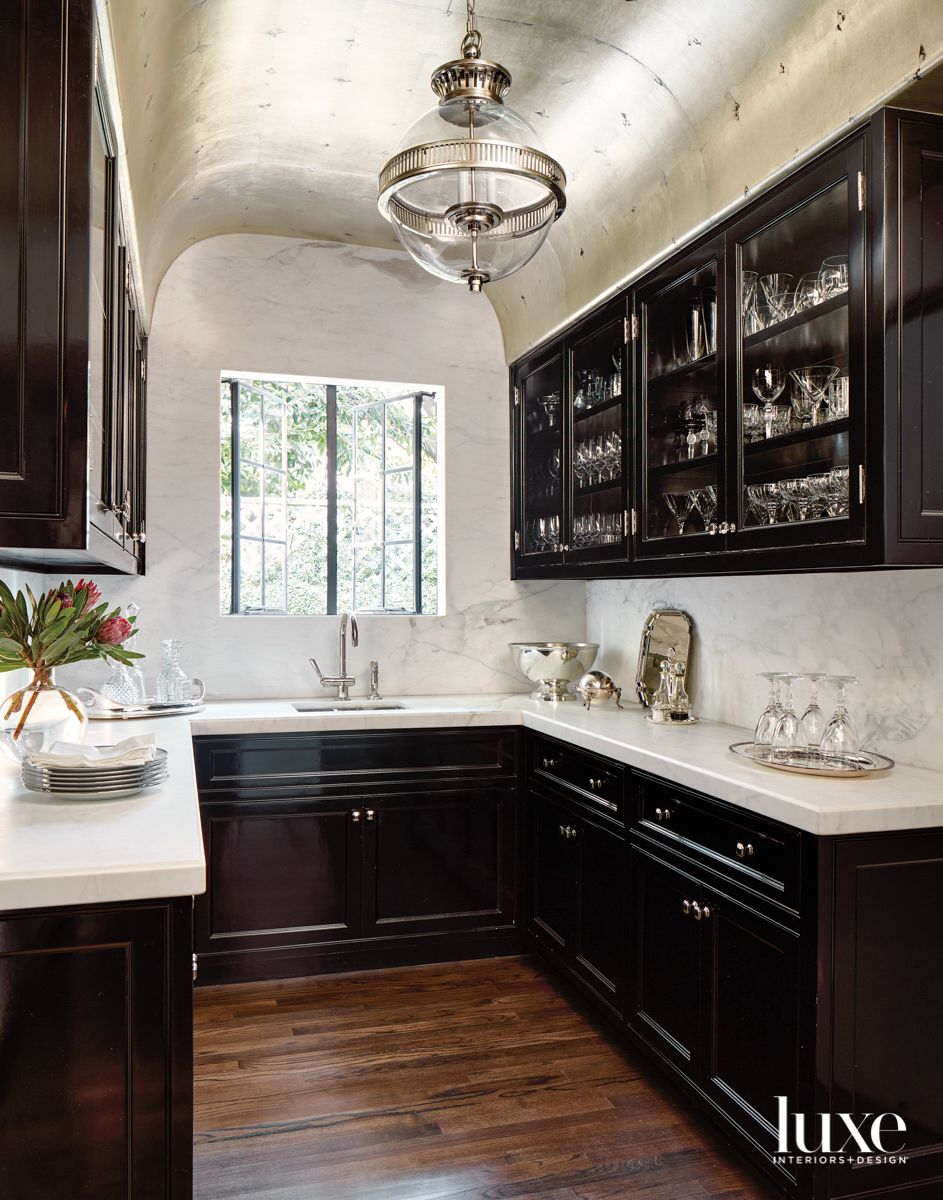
795,454
707,362
588,413
687,464
820,332
607,485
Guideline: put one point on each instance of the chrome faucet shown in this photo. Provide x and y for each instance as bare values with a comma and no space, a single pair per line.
341,680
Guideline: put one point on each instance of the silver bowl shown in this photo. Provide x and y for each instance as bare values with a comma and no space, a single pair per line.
553,665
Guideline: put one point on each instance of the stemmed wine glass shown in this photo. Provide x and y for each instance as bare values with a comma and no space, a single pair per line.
768,382
813,719
789,733
680,504
769,718
705,501
841,735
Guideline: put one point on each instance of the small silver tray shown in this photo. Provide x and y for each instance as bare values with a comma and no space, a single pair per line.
101,708
690,719
813,762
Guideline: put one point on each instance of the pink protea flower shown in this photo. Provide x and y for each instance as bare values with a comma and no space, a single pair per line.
113,631
65,600
94,594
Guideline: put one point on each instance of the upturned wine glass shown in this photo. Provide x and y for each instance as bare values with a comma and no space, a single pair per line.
841,734
813,719
769,717
789,734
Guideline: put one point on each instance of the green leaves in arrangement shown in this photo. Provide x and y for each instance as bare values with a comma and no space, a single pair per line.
60,626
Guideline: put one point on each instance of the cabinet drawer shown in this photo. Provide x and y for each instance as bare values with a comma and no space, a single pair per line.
758,854
598,781
303,762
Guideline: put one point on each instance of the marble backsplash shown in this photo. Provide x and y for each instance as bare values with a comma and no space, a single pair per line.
886,627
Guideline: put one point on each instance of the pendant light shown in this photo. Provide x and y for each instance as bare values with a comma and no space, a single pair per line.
470,190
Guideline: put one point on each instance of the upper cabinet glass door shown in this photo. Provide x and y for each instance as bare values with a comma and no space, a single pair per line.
801,379
540,399
680,383
598,454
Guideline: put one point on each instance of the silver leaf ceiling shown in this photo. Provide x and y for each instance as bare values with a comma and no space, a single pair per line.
274,116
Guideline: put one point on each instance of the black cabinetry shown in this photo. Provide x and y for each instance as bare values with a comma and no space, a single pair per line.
335,850
72,349
784,373
96,1052
577,867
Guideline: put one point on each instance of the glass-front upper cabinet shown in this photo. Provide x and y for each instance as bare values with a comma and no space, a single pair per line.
797,418
680,383
539,399
599,442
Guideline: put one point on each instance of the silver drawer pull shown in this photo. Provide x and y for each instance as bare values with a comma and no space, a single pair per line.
370,814
663,814
686,907
548,763
697,911
355,815
744,851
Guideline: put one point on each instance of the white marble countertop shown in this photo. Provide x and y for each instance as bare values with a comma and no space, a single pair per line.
56,852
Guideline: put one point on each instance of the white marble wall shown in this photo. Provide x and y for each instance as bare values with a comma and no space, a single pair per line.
884,626
247,302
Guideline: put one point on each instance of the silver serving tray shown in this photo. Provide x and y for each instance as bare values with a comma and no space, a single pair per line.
813,762
101,708
690,719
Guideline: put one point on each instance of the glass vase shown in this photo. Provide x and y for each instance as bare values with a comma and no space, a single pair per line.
34,717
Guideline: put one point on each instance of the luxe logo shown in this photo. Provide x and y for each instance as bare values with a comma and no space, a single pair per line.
854,1133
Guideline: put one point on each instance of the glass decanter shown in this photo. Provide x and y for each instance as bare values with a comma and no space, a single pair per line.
125,685
173,683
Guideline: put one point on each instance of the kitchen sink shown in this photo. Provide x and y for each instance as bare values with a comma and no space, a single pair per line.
343,706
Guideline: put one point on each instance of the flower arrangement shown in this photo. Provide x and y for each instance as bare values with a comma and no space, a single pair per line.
67,624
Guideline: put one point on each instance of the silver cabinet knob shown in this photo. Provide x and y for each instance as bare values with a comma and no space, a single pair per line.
712,529
548,763
562,831
733,526
697,911
663,814
686,907
744,851
370,814
355,815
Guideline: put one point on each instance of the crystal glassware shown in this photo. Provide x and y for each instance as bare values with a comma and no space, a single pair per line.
808,293
813,719
789,734
838,398
551,406
833,276
748,286
173,683
125,685
769,718
709,319
694,332
777,284
841,735
680,504
768,383
705,501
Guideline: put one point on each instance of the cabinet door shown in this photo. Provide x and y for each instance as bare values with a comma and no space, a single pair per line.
680,382
798,396
665,1000
751,1011
90,1095
279,873
438,861
554,866
598,447
539,462
601,933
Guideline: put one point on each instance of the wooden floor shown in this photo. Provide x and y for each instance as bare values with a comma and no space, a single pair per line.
470,1081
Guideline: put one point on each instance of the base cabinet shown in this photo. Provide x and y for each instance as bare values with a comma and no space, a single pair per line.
374,850
760,963
96,1052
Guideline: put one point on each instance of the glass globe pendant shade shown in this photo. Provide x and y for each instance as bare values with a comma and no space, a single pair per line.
470,190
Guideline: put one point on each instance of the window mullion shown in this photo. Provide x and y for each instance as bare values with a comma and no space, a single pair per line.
236,461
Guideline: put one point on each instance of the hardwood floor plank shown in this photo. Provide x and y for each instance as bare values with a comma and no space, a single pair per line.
462,1081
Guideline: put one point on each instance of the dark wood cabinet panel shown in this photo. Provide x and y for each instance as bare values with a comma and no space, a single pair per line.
330,851
555,884
666,994
279,874
71,484
96,1052
438,859
601,930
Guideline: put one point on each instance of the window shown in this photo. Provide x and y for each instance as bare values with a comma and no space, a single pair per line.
329,497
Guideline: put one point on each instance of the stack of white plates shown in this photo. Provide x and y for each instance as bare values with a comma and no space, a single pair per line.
96,781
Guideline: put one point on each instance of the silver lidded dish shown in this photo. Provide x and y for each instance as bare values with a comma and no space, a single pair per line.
553,665
596,687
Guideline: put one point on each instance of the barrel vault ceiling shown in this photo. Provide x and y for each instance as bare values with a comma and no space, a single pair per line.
274,116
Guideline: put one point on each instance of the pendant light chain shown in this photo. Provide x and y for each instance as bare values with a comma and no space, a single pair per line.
471,43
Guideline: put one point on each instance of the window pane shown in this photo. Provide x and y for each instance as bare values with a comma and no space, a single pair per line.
399,434
275,434
368,590
250,414
275,515
399,577
250,574
399,506
274,575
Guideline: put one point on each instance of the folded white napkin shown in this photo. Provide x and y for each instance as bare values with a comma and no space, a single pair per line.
129,753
